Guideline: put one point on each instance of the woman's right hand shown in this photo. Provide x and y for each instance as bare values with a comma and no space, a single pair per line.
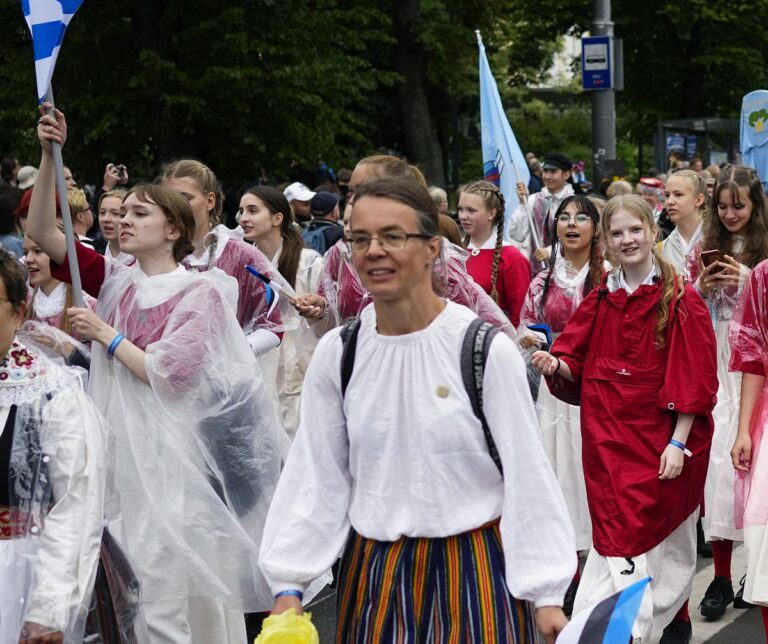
545,362
51,128
284,602
741,453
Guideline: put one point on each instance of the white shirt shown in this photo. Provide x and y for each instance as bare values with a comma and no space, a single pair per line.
394,458
675,249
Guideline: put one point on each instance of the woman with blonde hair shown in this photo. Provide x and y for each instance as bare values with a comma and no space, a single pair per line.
639,357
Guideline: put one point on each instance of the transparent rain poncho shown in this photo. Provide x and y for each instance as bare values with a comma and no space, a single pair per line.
346,296
51,532
721,300
197,452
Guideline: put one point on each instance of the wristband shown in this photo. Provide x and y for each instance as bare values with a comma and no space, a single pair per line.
681,446
290,593
558,365
113,345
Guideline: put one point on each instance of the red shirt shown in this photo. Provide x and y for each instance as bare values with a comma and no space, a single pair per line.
630,394
512,282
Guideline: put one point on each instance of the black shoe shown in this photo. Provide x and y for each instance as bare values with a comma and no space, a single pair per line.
570,597
678,632
739,601
716,599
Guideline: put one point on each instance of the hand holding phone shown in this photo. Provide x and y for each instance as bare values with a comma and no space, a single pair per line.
709,257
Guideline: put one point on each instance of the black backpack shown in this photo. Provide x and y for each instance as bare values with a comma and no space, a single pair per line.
474,355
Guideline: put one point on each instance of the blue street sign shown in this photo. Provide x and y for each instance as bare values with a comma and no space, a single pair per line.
596,72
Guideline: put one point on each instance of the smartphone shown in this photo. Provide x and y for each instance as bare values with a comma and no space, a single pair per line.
710,257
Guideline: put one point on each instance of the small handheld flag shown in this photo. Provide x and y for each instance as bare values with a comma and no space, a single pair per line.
272,288
608,621
47,21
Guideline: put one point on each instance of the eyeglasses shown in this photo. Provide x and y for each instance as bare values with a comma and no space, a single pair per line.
579,218
388,241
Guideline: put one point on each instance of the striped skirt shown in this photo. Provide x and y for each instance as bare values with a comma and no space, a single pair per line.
418,590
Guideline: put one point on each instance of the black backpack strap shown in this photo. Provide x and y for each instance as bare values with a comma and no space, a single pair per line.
349,342
474,354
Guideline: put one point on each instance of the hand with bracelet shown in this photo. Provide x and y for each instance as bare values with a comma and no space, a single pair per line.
673,456
286,600
89,326
549,365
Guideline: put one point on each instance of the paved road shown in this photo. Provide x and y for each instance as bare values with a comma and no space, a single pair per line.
736,627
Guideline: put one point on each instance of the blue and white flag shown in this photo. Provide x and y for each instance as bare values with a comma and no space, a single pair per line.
754,133
609,621
503,161
47,21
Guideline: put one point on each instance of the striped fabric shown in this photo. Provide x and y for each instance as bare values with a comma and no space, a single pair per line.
418,590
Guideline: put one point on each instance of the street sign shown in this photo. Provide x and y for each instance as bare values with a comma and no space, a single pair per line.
596,70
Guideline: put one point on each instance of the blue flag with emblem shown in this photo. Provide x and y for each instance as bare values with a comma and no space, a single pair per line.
47,21
754,133
503,161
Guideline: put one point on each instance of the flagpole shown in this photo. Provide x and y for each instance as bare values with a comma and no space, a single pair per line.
531,222
69,233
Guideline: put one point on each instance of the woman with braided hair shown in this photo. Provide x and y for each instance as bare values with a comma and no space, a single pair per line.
497,266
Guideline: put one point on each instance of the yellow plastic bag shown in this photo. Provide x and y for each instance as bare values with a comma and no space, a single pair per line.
288,628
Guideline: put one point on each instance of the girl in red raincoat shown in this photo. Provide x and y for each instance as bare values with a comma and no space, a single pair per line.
639,357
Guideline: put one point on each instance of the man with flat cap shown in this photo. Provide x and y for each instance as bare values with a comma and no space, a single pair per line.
556,172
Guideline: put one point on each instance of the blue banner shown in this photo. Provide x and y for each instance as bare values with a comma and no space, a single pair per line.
754,133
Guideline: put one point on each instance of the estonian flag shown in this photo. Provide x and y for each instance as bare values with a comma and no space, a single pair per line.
47,21
503,161
608,622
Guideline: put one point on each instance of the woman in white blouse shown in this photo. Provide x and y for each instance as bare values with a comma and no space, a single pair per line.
396,472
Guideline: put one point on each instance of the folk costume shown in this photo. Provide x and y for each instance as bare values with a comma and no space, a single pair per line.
513,279
749,342
441,547
52,476
630,392
196,452
718,518
559,422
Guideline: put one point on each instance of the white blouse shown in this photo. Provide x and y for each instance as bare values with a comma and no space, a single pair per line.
403,454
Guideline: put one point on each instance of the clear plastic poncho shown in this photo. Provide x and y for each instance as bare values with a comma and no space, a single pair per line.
52,525
197,452
346,296
721,300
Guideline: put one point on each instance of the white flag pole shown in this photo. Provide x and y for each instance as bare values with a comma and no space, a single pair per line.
529,214
69,233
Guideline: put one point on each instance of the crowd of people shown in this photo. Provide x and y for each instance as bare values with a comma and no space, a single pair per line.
472,426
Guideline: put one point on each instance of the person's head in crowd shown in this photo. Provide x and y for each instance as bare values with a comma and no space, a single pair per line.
696,164
9,168
22,210
440,197
267,220
109,211
449,230
629,233
69,178
555,171
299,196
576,234
738,214
379,166
394,238
597,201
685,196
714,170
529,156
26,176
534,165
326,186
481,213
619,187
709,181
80,209
198,184
9,202
343,177
13,299
325,205
157,221
652,191
653,172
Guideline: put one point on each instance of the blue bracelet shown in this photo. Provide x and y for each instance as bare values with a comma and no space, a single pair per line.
291,593
113,345
681,446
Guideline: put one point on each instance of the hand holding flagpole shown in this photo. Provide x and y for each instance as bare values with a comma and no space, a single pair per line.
47,22
531,223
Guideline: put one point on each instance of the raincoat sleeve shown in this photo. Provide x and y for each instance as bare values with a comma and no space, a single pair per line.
68,553
748,329
571,347
308,520
536,531
690,377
